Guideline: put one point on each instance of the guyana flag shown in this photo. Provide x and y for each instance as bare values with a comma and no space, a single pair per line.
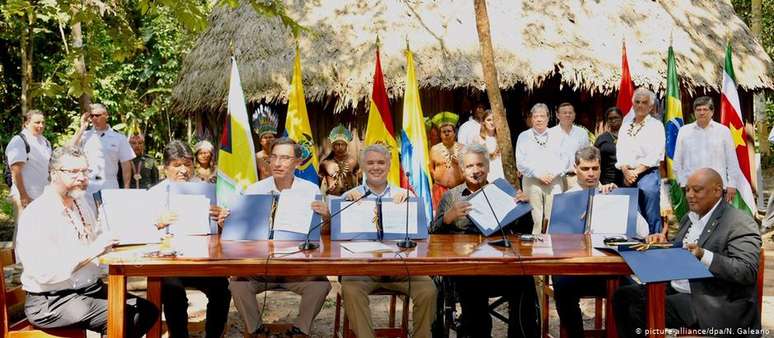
380,128
235,172
297,126
673,121
731,117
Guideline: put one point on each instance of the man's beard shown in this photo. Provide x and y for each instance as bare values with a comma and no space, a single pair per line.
76,193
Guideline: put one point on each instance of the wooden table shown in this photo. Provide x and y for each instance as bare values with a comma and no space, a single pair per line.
444,255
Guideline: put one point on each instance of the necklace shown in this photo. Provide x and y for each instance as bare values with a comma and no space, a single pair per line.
84,231
450,155
635,128
540,139
137,173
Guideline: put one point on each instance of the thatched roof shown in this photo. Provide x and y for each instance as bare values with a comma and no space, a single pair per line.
575,39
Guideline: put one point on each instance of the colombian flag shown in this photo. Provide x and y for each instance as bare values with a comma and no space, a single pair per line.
380,128
297,125
235,171
673,121
414,154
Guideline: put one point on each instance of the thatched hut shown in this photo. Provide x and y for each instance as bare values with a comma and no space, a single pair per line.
546,51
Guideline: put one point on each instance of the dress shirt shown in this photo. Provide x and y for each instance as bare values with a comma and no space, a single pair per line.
710,147
387,193
570,143
535,160
48,246
35,170
469,132
646,147
692,237
267,186
105,150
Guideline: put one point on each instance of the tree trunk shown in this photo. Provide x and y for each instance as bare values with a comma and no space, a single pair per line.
493,92
26,63
759,101
80,64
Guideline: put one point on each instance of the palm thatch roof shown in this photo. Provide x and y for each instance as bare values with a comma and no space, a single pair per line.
578,40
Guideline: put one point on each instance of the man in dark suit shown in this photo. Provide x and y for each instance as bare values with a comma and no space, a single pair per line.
727,241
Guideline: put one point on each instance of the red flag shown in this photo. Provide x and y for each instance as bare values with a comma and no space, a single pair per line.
626,89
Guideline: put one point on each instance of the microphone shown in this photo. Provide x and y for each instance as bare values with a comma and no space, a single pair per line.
504,242
307,245
407,243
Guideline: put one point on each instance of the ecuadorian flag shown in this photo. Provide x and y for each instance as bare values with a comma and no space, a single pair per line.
235,173
673,121
414,154
297,126
380,128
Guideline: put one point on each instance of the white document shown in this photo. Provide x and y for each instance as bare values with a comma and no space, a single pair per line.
609,214
130,215
359,217
502,203
193,214
191,246
364,247
394,217
294,211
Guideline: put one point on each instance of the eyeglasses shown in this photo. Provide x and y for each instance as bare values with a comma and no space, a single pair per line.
75,172
96,115
281,158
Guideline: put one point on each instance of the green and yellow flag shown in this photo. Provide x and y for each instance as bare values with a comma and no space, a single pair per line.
673,121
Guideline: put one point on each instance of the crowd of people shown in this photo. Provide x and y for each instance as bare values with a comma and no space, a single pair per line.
53,191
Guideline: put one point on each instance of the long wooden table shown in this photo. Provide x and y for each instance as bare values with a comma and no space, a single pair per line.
445,255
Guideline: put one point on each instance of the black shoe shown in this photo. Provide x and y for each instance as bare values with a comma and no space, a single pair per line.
261,331
294,331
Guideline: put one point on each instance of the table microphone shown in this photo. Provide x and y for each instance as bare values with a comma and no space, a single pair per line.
504,242
307,245
407,243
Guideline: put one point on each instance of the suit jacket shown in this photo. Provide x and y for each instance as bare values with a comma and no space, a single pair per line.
729,299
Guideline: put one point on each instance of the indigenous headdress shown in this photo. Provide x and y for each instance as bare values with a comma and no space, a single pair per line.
340,133
264,120
445,117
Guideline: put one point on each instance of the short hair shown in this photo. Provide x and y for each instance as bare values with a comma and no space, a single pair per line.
703,101
588,153
612,110
537,106
642,91
55,163
177,150
297,150
97,107
30,113
375,148
565,104
474,148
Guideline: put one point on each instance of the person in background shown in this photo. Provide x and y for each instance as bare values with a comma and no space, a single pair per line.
339,171
145,174
469,131
768,220
488,138
205,168
606,143
445,156
28,154
266,121
572,138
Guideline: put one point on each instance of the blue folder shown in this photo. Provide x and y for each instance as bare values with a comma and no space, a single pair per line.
249,220
660,265
568,213
197,188
337,235
520,210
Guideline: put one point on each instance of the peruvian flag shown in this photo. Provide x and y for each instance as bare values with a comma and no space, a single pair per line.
626,89
731,117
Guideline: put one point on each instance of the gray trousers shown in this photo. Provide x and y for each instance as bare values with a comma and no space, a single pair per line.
313,291
87,308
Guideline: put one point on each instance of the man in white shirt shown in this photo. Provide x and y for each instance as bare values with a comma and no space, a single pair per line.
470,130
58,244
285,156
706,144
28,154
641,144
105,149
538,158
572,138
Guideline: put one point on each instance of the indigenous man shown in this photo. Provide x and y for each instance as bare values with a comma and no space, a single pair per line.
339,171
145,174
445,157
266,130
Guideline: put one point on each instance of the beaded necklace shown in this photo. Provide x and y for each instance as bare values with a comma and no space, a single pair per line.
635,128
84,231
539,139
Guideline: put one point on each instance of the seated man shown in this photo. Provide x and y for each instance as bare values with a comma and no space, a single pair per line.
285,156
58,241
375,160
474,291
727,241
569,290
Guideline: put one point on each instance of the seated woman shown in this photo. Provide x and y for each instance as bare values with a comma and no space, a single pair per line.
178,167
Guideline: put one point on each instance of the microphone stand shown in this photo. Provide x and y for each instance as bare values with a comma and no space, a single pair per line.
307,245
504,242
407,243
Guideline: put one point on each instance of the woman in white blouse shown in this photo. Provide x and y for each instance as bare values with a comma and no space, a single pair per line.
488,138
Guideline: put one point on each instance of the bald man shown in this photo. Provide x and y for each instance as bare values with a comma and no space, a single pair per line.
724,239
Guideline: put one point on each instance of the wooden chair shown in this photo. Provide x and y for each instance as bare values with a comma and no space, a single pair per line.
14,298
599,320
390,331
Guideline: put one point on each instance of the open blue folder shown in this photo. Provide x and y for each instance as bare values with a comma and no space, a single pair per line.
661,265
520,210
197,188
337,235
249,220
568,213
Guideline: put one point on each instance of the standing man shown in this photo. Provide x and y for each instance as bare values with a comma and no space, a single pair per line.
28,154
640,150
375,160
726,240
285,156
339,171
469,131
475,291
105,149
145,174
58,244
571,139
538,158
445,157
706,144
266,120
